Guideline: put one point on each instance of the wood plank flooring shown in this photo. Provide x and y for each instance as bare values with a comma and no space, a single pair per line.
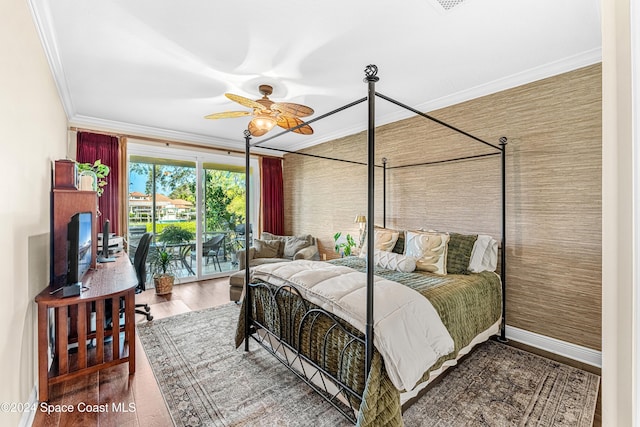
118,399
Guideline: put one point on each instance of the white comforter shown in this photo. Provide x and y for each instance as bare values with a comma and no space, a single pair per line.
408,332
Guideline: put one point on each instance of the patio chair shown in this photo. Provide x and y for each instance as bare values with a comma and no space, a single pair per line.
210,250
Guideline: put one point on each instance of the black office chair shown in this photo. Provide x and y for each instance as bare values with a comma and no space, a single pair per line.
140,265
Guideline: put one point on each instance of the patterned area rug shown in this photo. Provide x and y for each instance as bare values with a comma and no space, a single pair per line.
207,382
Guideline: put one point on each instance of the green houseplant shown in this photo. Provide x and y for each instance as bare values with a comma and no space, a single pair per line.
163,269
343,247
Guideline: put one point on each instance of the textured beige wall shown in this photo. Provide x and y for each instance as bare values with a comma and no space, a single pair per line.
553,200
34,132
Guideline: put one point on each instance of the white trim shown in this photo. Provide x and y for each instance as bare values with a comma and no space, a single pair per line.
538,73
41,14
555,346
565,65
634,18
29,416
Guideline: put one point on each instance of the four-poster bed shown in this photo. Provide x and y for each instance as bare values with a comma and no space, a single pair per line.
294,312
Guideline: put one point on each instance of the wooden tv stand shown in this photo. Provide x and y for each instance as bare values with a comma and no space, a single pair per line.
72,324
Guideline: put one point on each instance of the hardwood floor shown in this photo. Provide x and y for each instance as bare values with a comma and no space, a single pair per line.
120,400
113,398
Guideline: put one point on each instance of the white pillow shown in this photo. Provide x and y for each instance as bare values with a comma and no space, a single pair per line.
383,240
429,249
394,261
484,255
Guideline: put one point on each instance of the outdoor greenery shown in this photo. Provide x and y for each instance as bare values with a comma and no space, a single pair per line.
175,234
224,193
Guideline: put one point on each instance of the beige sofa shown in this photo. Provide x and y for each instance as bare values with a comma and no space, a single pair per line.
272,248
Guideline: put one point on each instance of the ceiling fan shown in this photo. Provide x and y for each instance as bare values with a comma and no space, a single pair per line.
267,113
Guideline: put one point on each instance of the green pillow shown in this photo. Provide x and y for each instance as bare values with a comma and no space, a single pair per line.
459,252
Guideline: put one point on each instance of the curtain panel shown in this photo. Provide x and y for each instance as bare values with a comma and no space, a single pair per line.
90,148
272,195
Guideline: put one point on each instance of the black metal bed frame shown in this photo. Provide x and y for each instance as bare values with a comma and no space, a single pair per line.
280,346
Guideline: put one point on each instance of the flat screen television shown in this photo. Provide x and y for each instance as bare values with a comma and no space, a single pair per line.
79,246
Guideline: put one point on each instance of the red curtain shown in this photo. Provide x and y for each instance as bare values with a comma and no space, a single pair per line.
272,195
92,147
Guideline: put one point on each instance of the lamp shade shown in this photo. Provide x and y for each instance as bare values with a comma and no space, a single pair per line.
360,219
261,124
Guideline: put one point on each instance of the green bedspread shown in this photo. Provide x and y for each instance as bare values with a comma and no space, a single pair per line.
467,305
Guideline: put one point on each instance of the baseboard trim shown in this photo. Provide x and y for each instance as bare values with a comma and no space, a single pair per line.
29,416
556,346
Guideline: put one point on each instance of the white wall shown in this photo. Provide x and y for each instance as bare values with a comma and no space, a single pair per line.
33,133
618,397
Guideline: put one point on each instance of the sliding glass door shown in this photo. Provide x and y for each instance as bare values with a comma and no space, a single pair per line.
194,204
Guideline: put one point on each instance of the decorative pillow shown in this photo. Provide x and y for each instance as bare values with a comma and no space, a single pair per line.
293,244
384,240
268,236
484,256
429,249
398,248
393,261
459,252
266,248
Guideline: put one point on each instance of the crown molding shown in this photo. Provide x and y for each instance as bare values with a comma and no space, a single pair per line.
42,19
47,38
534,74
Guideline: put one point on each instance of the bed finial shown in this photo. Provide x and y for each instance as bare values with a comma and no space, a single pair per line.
371,71
503,140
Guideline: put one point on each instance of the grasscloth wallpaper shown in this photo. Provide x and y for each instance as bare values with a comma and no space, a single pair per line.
553,193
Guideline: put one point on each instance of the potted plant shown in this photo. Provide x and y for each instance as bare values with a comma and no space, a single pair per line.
343,247
99,172
162,268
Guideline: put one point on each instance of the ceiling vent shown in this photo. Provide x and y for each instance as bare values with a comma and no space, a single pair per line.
449,4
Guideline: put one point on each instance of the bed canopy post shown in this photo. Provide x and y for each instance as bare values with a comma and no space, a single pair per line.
384,192
371,78
503,258
247,294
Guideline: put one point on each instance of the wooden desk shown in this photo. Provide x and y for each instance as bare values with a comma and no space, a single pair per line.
72,323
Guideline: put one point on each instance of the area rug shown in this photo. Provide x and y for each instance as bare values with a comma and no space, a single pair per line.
207,382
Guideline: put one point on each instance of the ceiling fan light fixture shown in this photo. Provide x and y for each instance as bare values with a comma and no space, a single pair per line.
261,124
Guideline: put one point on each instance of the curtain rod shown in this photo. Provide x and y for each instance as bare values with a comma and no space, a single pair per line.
167,142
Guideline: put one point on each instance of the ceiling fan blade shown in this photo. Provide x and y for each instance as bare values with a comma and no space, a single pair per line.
228,115
288,122
245,101
291,109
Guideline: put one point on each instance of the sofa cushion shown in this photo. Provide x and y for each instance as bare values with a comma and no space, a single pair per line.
267,248
260,261
293,244
294,241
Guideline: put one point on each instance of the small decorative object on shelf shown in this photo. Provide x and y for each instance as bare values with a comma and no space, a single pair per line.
100,170
88,181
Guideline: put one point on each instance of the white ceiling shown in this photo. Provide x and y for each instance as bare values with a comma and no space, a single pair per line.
156,68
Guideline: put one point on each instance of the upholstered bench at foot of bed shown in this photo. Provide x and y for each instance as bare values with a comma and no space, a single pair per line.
236,285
